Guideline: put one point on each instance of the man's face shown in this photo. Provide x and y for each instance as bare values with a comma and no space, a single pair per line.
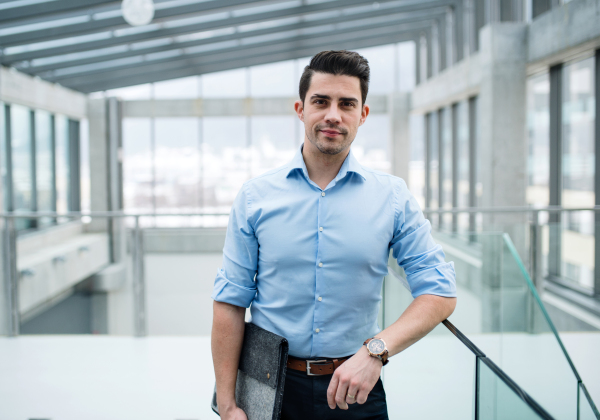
332,112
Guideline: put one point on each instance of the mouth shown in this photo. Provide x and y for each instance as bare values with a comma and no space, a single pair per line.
330,133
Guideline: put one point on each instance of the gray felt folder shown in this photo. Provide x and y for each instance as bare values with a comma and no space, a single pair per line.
261,374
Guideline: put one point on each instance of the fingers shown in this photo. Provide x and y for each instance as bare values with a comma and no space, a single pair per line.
363,394
351,395
340,395
331,391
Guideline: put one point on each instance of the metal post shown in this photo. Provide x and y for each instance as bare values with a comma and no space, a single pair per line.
139,284
555,182
597,177
472,104
535,250
10,276
455,168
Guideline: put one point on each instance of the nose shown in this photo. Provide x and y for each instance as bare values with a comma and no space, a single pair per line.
333,114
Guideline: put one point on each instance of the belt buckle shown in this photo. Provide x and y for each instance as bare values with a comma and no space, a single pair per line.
309,362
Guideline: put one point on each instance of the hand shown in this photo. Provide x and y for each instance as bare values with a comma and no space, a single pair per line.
232,413
356,377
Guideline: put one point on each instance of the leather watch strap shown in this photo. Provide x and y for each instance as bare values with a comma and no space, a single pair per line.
383,357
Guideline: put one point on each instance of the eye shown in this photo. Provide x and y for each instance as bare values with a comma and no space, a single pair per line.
348,104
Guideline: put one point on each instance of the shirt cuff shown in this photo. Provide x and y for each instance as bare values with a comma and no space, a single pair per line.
439,280
229,292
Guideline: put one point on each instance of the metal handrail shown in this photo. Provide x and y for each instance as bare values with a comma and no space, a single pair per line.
508,381
549,209
119,213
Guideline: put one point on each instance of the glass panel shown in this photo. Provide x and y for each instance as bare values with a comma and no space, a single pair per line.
44,162
225,84
138,174
84,162
381,64
538,126
462,143
185,88
276,79
272,146
225,160
496,401
416,165
371,146
578,169
62,164
587,409
433,144
446,166
438,365
532,353
3,171
22,163
177,166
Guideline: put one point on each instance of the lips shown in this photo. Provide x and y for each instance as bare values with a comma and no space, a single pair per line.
330,133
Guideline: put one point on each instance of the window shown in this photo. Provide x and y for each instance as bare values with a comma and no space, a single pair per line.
62,164
578,171
44,164
462,163
22,164
538,125
446,159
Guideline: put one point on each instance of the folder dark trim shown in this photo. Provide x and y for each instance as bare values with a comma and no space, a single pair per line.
261,374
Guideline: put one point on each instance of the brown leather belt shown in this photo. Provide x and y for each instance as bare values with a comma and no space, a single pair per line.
313,367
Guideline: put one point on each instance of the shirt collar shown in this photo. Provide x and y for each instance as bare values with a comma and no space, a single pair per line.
350,165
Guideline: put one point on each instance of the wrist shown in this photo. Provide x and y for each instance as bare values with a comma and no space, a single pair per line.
226,405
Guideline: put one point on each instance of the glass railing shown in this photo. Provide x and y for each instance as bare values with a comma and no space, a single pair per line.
501,310
147,280
115,273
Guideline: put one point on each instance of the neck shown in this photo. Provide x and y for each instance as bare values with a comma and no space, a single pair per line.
322,168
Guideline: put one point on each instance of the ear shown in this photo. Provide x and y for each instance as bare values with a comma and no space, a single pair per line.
299,108
364,114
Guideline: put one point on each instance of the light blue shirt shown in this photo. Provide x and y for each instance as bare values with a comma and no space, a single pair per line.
311,261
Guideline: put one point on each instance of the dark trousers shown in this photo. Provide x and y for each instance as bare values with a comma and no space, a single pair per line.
305,398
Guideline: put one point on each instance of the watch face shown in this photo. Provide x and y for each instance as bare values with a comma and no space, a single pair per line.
376,346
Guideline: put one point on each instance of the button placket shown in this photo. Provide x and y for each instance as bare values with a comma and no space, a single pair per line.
317,322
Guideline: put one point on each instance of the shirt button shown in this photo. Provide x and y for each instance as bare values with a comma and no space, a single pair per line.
323,194
320,298
320,264
320,229
317,330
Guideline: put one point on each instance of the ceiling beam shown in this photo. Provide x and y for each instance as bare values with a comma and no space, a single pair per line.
118,22
48,8
251,55
371,30
411,5
152,76
382,16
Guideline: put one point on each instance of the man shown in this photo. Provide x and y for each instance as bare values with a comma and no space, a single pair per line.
307,244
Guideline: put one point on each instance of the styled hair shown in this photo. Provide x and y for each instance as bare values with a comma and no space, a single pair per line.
347,63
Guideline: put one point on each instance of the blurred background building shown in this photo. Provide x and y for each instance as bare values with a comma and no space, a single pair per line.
127,128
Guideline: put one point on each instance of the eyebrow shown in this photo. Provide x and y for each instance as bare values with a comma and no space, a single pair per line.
316,95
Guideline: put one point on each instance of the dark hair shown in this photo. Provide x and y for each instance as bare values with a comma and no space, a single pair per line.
348,63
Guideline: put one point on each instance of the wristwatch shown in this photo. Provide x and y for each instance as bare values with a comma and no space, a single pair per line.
377,348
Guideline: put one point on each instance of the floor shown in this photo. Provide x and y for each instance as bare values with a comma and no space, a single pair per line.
171,378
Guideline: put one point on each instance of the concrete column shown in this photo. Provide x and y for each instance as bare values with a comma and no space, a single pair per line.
5,303
399,111
503,157
106,168
502,107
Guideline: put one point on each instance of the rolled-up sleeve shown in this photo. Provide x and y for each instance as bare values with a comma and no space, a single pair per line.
422,259
235,283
